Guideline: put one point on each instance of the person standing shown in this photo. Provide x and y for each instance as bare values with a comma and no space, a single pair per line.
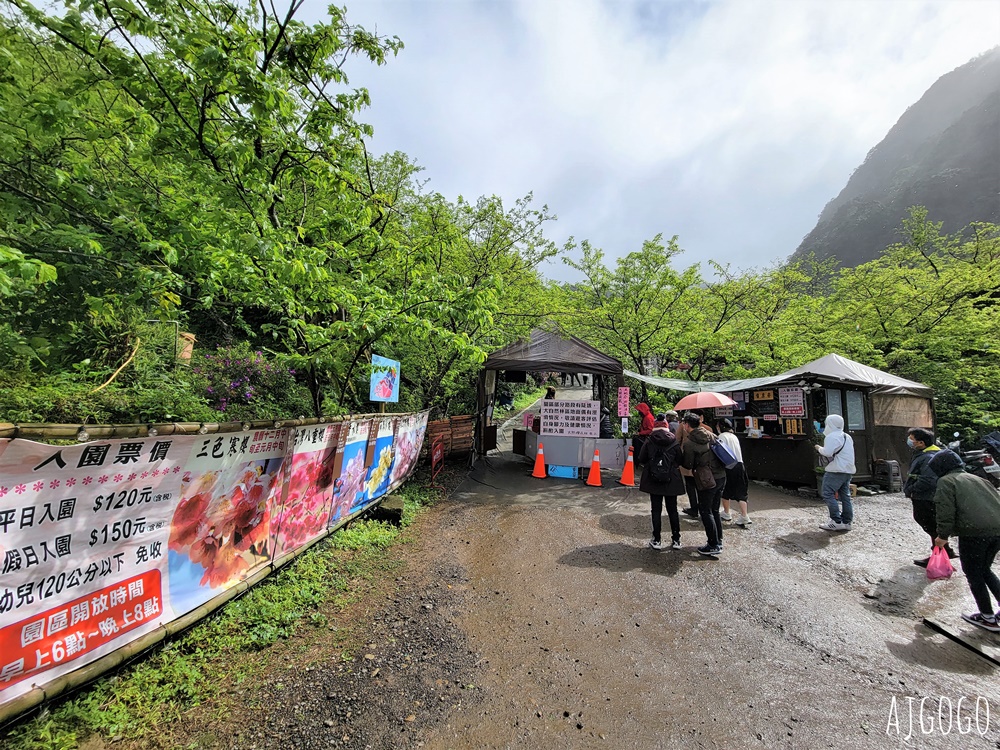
737,481
838,446
661,478
682,431
673,421
969,507
921,483
645,427
709,478
604,428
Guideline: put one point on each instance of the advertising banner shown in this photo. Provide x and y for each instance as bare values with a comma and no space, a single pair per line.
309,492
84,535
102,542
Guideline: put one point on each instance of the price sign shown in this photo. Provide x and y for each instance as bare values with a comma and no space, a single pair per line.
791,403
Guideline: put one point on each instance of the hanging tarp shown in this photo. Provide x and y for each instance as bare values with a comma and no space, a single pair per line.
831,367
549,352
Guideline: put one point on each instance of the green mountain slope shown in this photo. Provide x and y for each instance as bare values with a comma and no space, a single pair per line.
943,153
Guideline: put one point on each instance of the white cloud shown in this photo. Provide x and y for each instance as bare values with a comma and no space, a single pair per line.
729,123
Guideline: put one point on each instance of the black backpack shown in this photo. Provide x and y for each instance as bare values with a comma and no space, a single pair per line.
661,467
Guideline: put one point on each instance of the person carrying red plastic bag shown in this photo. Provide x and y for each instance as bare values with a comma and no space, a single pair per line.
969,507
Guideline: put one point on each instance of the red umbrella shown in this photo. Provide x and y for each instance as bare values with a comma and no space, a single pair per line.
704,400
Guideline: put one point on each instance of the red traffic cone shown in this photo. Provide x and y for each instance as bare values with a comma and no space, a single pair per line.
628,473
594,477
539,472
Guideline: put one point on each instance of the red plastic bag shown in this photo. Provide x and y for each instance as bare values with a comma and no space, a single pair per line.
939,566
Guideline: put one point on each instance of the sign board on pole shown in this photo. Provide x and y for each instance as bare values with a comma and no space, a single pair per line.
623,402
384,384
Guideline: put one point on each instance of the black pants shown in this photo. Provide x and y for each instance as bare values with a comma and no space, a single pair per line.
692,492
637,442
656,503
925,514
977,554
708,506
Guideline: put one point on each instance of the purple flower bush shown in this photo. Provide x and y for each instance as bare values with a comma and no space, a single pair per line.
241,383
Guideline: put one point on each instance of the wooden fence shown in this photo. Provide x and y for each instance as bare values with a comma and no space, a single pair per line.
455,433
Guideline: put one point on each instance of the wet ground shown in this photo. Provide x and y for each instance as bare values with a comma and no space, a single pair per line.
529,613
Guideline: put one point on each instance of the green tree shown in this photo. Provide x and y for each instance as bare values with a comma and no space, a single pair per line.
629,311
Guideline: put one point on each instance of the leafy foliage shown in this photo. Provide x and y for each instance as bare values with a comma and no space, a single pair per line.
203,163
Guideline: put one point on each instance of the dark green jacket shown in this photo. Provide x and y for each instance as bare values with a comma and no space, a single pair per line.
966,506
697,451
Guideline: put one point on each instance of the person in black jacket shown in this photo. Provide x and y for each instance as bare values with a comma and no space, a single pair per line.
921,483
663,490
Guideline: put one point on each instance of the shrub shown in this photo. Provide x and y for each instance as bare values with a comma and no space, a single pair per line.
243,384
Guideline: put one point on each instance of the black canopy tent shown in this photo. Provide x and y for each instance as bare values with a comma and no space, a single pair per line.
542,351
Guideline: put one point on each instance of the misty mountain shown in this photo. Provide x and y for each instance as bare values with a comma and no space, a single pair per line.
943,153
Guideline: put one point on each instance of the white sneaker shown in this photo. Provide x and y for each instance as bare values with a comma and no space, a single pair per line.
725,516
743,521
747,520
843,527
653,544
831,525
675,545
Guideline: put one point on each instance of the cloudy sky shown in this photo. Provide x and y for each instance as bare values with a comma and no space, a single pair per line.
729,123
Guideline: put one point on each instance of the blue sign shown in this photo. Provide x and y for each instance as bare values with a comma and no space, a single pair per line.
385,380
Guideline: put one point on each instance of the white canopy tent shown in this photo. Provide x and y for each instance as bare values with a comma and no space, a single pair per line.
832,367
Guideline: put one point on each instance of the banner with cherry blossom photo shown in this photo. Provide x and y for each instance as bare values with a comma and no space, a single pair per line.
220,531
310,489
102,542
410,431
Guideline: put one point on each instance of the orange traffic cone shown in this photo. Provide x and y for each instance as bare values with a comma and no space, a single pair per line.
594,477
539,472
628,473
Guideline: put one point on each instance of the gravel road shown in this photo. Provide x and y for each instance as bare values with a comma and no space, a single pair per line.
530,614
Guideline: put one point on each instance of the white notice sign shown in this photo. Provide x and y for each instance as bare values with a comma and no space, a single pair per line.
791,403
571,418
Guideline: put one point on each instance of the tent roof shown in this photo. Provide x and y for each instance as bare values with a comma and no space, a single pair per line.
545,351
831,367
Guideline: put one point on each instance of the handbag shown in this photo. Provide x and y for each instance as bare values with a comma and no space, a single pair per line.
939,566
826,460
704,479
726,458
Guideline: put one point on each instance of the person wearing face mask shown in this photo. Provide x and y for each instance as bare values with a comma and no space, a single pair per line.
921,483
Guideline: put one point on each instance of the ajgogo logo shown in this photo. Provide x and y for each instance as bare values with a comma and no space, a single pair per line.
941,716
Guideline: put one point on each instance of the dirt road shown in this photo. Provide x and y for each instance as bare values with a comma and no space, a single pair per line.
530,614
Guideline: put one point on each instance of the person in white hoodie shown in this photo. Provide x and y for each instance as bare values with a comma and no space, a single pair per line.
838,446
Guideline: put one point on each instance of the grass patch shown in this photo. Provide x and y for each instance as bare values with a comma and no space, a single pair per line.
522,400
141,700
